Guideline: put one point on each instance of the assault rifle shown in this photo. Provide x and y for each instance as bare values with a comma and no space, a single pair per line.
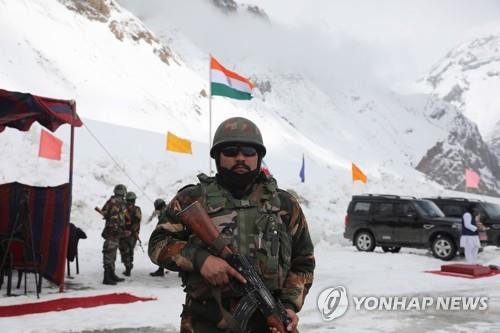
127,217
256,295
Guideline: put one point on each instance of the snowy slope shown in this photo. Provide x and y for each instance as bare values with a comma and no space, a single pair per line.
132,86
468,77
135,88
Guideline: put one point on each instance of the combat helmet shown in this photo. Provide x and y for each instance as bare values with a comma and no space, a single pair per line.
120,189
159,203
130,196
237,130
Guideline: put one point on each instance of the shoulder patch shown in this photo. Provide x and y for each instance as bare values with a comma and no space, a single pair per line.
288,198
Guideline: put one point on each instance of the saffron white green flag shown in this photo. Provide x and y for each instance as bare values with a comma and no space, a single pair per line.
223,82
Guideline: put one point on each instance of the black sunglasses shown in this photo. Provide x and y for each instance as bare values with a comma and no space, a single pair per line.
232,151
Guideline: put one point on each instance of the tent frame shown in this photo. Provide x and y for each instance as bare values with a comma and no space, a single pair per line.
75,120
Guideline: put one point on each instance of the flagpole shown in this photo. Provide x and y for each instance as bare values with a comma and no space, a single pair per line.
209,114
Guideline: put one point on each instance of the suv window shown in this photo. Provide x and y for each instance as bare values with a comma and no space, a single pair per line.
493,210
361,208
428,208
452,210
383,209
405,210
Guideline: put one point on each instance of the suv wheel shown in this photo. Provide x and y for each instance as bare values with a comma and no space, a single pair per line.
443,248
392,249
365,241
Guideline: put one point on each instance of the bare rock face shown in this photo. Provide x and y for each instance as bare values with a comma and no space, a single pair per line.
257,11
123,26
226,5
494,141
232,7
263,85
468,78
96,10
464,148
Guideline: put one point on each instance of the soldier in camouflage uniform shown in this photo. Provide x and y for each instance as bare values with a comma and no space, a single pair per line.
160,208
253,215
114,213
132,227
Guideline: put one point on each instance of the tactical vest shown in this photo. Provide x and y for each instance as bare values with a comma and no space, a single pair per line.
252,225
115,221
132,218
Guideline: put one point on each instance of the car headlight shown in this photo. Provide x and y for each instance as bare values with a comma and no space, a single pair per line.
457,226
495,226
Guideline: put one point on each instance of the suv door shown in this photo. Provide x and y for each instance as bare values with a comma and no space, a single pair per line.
358,216
452,210
383,221
408,228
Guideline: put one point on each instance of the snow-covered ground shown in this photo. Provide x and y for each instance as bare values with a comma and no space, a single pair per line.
129,99
363,274
160,174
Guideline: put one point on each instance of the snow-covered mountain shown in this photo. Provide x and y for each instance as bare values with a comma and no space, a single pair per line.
494,141
122,73
463,149
134,79
468,77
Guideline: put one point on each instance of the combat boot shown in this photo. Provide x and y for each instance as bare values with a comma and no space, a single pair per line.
108,279
115,277
159,272
128,270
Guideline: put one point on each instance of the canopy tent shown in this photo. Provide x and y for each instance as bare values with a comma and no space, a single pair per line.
48,208
19,110
46,211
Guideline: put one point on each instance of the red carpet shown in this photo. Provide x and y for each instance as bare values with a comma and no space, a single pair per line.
62,304
466,271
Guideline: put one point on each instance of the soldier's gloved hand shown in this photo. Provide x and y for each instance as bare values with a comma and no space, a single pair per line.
217,271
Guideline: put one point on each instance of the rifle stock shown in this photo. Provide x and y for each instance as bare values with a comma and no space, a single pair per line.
197,219
97,209
256,293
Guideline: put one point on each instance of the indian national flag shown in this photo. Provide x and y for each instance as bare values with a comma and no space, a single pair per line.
227,83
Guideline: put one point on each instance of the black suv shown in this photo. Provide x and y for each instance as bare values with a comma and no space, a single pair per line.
392,222
490,214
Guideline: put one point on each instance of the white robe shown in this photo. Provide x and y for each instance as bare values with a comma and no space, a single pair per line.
471,244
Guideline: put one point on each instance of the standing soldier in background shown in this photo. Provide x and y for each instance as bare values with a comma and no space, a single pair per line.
132,226
113,212
253,216
160,207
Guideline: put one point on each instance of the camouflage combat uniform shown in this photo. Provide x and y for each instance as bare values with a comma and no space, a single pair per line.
114,213
267,225
160,208
127,243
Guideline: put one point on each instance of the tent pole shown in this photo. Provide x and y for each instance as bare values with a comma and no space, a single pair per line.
71,155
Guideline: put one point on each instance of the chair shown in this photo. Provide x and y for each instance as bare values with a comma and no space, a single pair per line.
5,260
75,234
20,258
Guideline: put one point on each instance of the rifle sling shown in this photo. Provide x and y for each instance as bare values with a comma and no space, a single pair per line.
217,245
